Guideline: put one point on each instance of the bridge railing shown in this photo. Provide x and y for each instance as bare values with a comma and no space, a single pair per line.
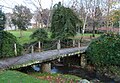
39,47
50,45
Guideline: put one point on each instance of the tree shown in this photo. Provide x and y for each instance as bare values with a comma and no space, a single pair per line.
115,17
40,35
2,20
64,22
41,17
96,18
109,5
9,20
7,41
40,11
21,17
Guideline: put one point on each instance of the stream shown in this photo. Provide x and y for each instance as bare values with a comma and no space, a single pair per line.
72,70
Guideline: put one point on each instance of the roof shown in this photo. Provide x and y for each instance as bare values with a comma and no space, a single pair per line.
108,29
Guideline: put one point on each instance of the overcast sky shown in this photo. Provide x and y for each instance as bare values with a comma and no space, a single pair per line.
12,3
45,4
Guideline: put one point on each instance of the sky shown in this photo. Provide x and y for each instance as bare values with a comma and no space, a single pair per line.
11,3
45,4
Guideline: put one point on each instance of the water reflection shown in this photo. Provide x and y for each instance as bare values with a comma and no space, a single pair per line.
36,68
54,70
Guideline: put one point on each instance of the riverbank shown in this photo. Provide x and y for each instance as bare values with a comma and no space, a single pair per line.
11,76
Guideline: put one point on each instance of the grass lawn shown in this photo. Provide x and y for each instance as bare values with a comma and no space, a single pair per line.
18,77
87,34
25,38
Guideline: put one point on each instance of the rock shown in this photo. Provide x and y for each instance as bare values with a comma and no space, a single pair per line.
94,81
84,81
117,79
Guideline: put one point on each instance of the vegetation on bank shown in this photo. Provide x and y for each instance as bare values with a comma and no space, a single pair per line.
7,48
104,52
8,41
57,78
18,77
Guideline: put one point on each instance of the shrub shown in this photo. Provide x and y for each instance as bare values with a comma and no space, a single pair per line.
105,50
40,34
7,41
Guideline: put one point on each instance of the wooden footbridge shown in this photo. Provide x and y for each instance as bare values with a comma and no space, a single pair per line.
40,57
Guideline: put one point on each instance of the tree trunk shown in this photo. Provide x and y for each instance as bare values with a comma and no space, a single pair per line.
21,33
83,31
93,29
15,27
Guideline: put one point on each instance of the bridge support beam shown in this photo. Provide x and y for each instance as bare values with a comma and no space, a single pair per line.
83,61
46,67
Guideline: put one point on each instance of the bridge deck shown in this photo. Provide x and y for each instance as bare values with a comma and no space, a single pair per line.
29,59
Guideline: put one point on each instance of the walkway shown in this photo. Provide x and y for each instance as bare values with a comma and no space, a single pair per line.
34,58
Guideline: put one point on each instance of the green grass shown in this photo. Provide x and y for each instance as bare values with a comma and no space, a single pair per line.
18,77
25,38
87,34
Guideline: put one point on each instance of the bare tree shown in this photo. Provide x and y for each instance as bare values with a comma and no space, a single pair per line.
40,12
50,14
83,6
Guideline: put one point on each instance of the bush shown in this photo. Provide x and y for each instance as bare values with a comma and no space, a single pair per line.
105,50
40,34
7,41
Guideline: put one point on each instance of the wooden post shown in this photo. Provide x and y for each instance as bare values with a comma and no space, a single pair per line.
73,43
78,43
79,55
32,49
46,67
58,45
39,46
58,60
15,49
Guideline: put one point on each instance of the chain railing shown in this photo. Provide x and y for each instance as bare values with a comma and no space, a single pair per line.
50,45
